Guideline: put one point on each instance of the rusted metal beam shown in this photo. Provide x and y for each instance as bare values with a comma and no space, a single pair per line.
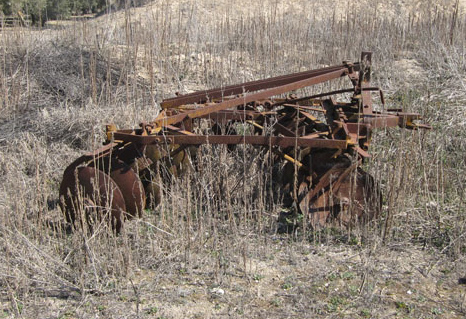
232,139
209,95
234,115
364,82
381,121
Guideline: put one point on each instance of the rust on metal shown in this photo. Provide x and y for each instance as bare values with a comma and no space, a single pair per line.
323,137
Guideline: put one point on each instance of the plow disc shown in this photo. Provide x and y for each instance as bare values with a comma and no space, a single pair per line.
322,138
343,196
130,186
88,194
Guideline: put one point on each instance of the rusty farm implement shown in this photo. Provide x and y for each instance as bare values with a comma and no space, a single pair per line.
320,140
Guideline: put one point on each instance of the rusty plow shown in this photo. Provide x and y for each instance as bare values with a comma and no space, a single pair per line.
320,139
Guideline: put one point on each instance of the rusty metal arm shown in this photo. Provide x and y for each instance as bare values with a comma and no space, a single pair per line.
232,139
209,95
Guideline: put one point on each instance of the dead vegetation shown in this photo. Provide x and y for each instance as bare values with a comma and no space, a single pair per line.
211,249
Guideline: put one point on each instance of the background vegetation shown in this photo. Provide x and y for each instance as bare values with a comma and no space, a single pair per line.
41,11
210,250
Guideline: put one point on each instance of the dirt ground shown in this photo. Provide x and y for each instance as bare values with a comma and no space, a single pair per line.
276,279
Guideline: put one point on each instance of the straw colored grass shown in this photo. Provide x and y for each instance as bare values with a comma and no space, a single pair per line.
211,248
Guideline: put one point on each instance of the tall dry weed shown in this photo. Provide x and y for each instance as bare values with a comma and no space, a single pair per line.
58,88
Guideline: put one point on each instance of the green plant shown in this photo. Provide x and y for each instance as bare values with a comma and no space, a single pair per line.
276,302
334,303
437,311
365,313
257,277
152,310
287,286
348,275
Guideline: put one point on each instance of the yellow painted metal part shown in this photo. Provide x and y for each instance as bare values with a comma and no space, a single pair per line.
109,129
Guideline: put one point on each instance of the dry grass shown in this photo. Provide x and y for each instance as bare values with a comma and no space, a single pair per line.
215,230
